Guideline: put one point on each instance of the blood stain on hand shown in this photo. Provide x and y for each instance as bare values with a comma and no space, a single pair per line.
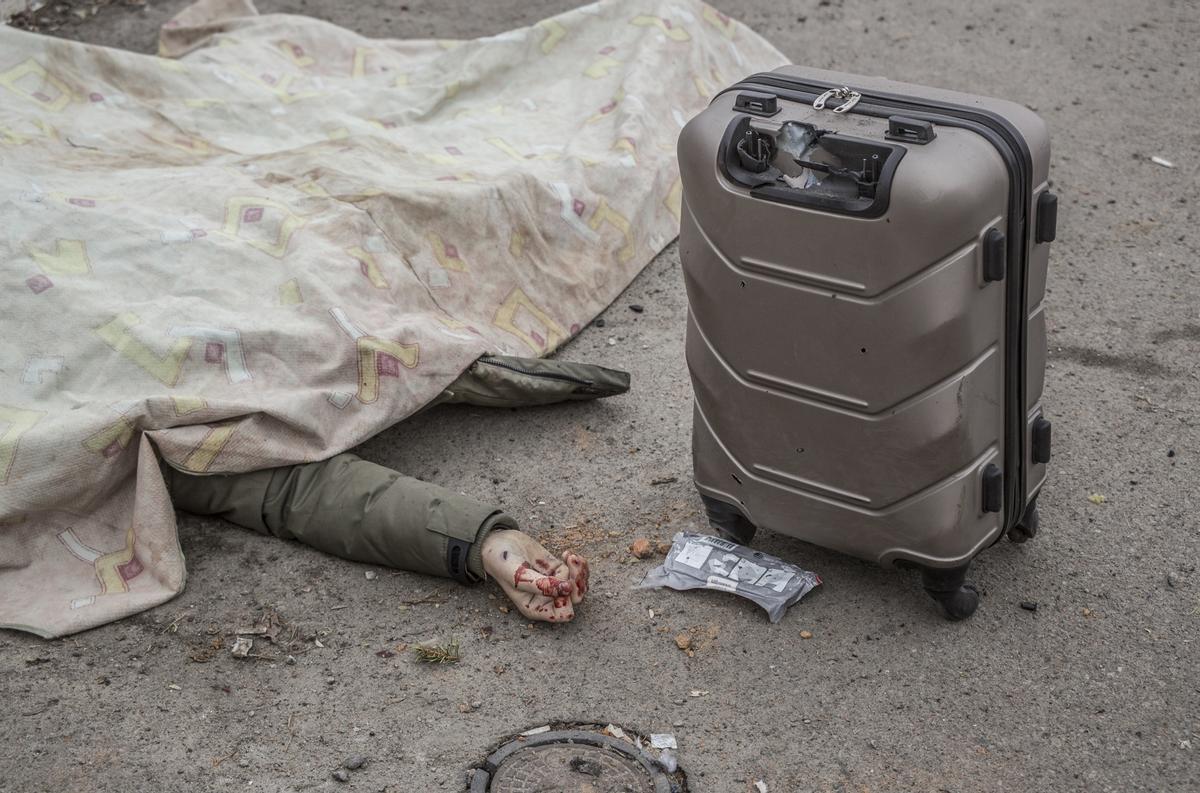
547,585
581,577
553,587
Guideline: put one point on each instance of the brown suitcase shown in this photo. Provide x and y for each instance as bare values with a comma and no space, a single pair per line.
865,264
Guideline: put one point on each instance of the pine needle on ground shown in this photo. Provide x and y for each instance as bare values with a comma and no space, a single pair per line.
437,653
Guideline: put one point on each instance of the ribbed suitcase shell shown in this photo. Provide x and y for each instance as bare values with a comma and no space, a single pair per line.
850,372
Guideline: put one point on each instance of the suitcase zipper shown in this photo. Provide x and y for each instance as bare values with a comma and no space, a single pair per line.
848,96
1017,160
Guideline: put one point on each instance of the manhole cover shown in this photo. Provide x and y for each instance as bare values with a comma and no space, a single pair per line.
572,761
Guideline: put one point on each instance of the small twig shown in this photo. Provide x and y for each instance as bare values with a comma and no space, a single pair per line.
230,756
432,597
664,480
49,704
174,625
291,734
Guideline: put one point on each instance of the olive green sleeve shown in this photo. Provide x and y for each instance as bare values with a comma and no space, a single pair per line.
352,509
509,381
364,512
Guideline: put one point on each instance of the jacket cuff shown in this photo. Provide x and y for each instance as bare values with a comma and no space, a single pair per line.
497,520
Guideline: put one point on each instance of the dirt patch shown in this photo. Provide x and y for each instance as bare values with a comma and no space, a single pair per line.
1142,365
1182,333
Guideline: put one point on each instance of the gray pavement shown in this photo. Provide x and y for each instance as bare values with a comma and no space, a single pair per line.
1098,690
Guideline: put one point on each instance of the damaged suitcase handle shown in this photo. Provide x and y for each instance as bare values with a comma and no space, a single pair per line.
859,186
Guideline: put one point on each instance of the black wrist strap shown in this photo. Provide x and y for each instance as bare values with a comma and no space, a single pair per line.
457,552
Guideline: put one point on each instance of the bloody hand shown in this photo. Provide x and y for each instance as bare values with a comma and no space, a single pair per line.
542,587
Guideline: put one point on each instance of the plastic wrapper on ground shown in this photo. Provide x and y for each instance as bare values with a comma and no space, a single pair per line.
700,561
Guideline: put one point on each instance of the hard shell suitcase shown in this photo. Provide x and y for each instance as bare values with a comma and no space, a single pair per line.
865,264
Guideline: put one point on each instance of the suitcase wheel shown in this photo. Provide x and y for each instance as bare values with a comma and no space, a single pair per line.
961,604
957,598
1027,528
728,521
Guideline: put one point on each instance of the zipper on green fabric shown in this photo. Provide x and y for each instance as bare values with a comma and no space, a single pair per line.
566,378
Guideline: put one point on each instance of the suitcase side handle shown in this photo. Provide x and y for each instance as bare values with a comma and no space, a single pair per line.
909,130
